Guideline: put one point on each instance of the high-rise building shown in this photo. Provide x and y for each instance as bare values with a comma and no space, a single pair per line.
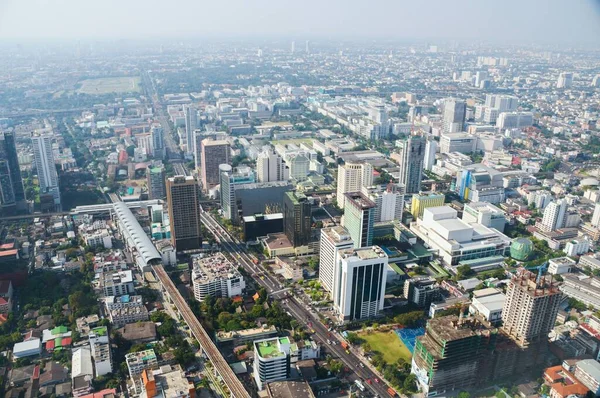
422,201
455,112
10,159
293,47
230,180
183,198
388,199
596,81
332,241
411,157
363,275
501,103
297,218
158,140
144,143
509,120
530,309
213,154
352,177
307,47
46,170
457,142
155,180
271,167
565,80
299,164
596,216
359,216
555,216
191,123
431,148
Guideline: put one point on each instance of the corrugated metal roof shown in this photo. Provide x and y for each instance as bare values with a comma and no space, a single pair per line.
143,244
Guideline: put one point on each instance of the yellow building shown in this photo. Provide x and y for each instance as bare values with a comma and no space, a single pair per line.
422,201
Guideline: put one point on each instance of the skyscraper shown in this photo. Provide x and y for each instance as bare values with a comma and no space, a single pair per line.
158,140
11,185
530,308
363,275
191,122
271,167
184,212
555,216
297,218
359,217
46,170
213,154
332,241
155,181
293,47
388,199
455,111
431,148
352,177
411,157
565,80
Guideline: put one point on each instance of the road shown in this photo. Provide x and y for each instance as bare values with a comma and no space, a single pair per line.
293,306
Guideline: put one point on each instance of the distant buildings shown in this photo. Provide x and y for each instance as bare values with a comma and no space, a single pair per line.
509,120
46,170
217,277
184,212
271,167
457,142
297,218
454,115
155,181
359,217
565,80
213,154
352,177
411,155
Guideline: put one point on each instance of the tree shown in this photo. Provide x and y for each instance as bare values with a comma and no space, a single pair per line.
410,383
464,394
130,150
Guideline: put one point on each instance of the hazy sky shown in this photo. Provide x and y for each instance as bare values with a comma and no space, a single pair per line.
564,21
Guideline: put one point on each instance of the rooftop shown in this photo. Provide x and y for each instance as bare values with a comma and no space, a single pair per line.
364,253
358,199
213,268
289,389
268,349
337,234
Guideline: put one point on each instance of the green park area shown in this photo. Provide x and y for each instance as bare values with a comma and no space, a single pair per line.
108,85
388,344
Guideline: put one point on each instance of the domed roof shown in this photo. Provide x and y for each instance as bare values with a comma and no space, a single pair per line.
590,181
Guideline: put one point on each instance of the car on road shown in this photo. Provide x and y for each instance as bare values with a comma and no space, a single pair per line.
362,365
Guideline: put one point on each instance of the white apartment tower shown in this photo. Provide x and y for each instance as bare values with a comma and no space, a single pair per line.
388,199
555,216
191,122
565,80
431,148
411,159
332,241
596,216
271,167
351,178
44,163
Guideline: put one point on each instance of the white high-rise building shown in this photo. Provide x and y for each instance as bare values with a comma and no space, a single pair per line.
596,216
351,178
565,80
191,122
554,216
299,164
508,120
411,156
596,81
388,199
332,241
503,103
44,163
271,167
144,142
455,112
158,140
431,148
293,49
363,274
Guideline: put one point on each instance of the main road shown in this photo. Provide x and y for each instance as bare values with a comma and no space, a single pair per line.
304,316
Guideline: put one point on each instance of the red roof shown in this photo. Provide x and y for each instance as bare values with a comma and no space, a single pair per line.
3,318
8,252
36,372
3,301
66,341
7,246
101,394
50,345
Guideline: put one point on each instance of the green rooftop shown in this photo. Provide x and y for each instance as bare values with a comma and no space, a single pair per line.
100,331
156,170
59,330
269,348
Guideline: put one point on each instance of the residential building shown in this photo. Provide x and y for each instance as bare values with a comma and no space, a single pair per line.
245,336
100,350
596,216
297,218
454,115
137,362
388,199
503,103
555,216
411,155
333,240
589,261
485,214
158,140
46,169
422,201
117,283
560,265
271,167
530,309
563,383
431,148
422,291
167,381
565,80
511,120
155,181
583,288
213,154
191,123
359,217
98,238
125,309
457,142
352,177
183,198
215,276
363,274
587,371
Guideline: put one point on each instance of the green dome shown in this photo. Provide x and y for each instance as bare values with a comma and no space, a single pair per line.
521,249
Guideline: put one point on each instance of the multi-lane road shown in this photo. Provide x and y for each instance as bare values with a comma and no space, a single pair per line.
297,309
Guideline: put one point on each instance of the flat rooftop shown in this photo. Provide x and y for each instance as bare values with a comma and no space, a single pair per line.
270,348
213,267
364,253
360,200
337,234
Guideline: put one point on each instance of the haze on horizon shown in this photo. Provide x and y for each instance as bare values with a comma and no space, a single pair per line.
511,21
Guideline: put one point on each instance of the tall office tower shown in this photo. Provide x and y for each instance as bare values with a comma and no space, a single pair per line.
596,81
271,167
227,197
213,154
8,152
158,140
183,198
480,76
411,159
388,199
191,123
555,216
565,80
359,216
155,180
293,47
352,177
363,274
530,308
455,111
297,218
431,148
44,163
332,241
421,202
198,137
7,193
307,47
596,216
